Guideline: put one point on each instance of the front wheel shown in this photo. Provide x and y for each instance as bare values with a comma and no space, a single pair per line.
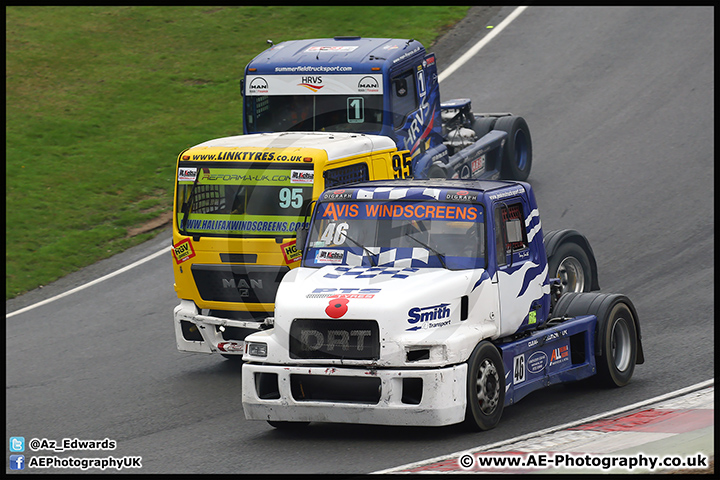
571,265
485,390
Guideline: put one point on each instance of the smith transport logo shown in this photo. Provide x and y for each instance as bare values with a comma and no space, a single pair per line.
426,316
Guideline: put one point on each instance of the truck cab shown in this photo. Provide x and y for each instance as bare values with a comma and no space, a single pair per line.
426,302
381,86
238,203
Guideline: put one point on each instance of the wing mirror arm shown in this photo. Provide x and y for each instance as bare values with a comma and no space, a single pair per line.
302,230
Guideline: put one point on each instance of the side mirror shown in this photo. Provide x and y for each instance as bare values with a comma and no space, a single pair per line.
514,231
303,228
301,238
401,88
242,87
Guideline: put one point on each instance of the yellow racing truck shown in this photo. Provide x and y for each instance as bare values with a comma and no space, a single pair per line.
238,203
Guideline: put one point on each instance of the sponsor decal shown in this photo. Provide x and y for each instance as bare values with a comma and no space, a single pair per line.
559,355
258,85
338,195
329,256
337,307
343,293
244,155
426,316
290,252
461,195
478,164
509,193
311,83
187,174
537,362
336,49
302,176
183,251
236,226
369,85
408,54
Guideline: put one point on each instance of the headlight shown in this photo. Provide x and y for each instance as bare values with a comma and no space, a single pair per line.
257,349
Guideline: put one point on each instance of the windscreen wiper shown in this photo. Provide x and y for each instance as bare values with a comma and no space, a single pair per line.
372,255
188,203
439,255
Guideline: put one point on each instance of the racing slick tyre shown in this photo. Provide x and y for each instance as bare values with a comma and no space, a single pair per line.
617,338
436,171
517,153
482,126
485,390
571,265
282,425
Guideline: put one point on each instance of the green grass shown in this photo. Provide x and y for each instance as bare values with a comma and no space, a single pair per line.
100,100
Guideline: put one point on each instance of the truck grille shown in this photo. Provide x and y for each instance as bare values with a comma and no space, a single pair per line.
238,283
334,339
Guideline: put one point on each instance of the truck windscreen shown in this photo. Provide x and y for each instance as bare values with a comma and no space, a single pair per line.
241,200
330,113
397,234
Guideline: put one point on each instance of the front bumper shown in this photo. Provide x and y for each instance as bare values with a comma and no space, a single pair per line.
204,334
431,397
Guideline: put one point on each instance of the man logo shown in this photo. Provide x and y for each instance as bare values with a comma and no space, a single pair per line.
242,286
368,84
259,84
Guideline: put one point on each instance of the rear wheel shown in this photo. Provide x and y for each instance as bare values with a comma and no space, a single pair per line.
616,332
485,387
482,126
517,153
619,347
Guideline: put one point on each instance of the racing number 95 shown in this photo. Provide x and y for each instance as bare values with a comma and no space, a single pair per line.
402,163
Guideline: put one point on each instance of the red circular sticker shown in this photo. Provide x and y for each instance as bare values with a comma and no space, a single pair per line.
337,307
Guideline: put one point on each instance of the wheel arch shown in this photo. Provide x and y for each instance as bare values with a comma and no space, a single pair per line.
599,304
553,239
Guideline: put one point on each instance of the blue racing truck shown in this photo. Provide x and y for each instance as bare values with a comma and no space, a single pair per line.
432,302
382,86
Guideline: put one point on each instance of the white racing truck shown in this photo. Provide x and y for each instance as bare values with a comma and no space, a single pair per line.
433,302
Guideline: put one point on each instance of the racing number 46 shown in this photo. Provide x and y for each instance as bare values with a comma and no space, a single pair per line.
402,165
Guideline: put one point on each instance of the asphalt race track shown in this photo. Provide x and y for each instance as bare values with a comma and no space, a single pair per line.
620,106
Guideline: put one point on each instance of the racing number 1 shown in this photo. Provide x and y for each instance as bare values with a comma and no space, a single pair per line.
402,165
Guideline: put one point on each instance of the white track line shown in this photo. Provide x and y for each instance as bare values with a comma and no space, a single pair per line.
446,73
549,430
90,284
476,48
